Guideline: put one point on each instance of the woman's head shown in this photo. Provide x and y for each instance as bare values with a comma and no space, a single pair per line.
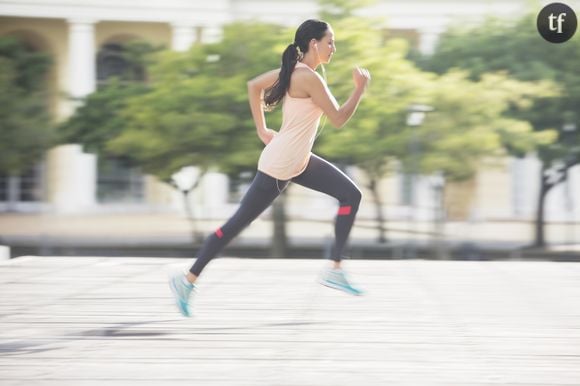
314,38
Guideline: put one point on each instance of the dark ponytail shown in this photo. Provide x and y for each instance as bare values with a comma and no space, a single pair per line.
310,29
274,94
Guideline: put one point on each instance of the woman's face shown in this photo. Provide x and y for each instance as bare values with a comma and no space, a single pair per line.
325,46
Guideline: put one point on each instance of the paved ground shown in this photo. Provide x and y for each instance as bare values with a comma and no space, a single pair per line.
110,321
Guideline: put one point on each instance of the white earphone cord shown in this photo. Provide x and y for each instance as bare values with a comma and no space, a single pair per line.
324,116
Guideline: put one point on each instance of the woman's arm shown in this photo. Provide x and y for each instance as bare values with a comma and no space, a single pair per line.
322,97
256,89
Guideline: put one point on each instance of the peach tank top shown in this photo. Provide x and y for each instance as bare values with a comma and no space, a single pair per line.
287,154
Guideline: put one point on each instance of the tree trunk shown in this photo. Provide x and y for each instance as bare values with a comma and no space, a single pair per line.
279,240
196,235
439,224
373,187
539,239
545,187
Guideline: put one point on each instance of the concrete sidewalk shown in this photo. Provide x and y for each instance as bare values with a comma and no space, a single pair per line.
94,321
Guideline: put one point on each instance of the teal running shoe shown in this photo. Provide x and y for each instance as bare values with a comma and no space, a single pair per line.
181,290
337,279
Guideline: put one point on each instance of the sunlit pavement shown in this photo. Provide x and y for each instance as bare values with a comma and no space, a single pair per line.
111,321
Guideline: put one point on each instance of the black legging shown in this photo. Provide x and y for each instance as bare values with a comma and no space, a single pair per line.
319,175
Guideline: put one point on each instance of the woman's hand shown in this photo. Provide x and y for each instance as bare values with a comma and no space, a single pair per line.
266,135
361,77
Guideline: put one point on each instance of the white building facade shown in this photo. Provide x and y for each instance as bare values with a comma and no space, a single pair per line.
74,32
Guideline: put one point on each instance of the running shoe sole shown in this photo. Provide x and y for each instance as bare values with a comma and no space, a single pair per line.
348,290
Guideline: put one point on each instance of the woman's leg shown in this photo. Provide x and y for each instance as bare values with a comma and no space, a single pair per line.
322,176
263,190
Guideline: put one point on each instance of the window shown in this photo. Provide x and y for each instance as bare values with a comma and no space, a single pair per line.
26,187
113,60
3,188
29,186
119,181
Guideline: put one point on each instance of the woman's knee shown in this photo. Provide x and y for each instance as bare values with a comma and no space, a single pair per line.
352,197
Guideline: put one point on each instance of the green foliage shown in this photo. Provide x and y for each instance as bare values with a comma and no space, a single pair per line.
471,122
31,67
99,119
139,55
517,48
25,128
196,111
475,117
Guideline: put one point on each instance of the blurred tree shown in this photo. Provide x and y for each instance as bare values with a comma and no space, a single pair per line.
192,110
99,119
26,131
516,47
471,127
470,122
196,110
121,74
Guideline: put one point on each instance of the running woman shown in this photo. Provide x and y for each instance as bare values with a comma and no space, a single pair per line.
287,156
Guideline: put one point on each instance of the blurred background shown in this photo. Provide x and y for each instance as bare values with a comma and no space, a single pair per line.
125,128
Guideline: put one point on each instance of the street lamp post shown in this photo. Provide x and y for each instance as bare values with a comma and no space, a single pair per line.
438,185
415,116
568,131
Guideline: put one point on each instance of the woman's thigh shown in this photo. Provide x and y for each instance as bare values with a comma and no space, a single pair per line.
322,176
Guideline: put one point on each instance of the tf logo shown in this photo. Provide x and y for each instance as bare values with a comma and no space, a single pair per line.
557,23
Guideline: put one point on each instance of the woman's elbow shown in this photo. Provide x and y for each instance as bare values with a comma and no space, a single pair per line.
253,89
337,122
252,85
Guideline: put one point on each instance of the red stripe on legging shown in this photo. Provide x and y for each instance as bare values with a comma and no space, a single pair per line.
219,233
344,210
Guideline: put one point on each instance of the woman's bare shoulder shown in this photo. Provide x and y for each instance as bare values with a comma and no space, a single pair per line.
302,82
307,75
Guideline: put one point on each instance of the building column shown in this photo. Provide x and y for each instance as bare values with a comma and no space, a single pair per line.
212,196
4,252
183,36
71,179
81,58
